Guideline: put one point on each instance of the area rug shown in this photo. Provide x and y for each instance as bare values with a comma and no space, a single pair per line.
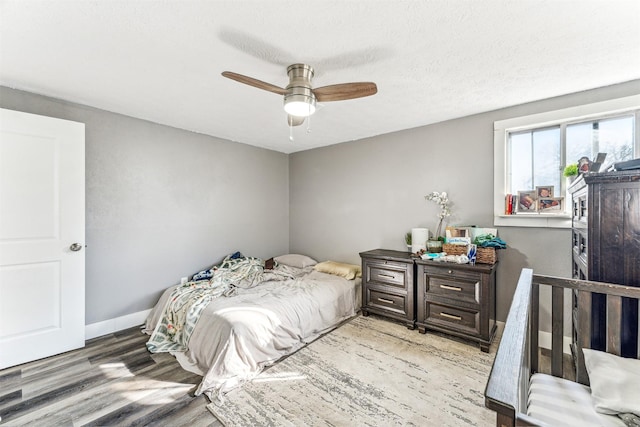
368,372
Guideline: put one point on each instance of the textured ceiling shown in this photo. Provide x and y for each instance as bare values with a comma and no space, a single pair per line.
432,60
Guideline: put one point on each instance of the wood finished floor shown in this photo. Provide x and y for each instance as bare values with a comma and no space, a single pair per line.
112,381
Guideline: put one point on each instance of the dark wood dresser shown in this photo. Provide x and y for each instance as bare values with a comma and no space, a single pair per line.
606,246
388,285
458,299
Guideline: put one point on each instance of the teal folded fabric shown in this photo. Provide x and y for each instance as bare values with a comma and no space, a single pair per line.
490,241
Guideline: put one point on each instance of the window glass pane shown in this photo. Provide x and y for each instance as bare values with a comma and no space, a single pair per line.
611,136
535,159
546,158
579,142
521,162
616,139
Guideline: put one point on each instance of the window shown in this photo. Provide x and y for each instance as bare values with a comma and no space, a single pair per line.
532,152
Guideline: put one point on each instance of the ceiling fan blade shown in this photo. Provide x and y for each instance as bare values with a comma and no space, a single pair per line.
254,82
294,120
345,91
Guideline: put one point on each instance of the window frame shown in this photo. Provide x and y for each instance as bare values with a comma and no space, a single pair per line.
562,118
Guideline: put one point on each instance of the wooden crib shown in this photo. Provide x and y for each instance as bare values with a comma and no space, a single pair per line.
518,355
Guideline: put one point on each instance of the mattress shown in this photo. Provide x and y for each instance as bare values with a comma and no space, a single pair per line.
237,336
561,402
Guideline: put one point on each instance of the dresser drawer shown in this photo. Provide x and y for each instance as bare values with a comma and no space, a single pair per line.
451,273
386,301
387,273
459,290
453,318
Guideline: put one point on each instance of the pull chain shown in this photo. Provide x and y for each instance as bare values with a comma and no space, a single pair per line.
290,129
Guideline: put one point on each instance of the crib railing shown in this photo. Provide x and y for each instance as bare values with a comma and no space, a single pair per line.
518,358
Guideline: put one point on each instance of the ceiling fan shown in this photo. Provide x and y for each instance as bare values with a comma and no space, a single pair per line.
300,97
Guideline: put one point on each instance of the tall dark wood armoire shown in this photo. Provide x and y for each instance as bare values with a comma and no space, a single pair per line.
606,245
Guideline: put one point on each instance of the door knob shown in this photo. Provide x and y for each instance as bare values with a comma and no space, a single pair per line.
75,247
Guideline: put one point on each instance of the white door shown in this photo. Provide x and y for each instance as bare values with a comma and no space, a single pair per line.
41,236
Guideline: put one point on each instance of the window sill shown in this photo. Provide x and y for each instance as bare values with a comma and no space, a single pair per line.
533,220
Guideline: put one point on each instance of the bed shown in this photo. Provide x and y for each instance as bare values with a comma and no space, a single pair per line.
230,322
587,388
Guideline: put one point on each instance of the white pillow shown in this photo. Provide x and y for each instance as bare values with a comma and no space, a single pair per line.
295,260
615,382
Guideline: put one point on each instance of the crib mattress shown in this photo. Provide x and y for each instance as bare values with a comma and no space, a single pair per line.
561,402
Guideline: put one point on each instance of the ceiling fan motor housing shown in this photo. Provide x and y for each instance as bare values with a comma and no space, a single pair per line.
299,99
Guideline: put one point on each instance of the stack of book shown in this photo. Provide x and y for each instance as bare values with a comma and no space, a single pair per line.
510,203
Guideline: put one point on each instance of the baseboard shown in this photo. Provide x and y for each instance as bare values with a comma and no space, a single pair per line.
110,326
544,341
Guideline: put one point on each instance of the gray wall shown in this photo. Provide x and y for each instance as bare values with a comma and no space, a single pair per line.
366,194
162,203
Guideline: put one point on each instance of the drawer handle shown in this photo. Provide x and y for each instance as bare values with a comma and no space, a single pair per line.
450,316
387,275
450,271
388,301
451,288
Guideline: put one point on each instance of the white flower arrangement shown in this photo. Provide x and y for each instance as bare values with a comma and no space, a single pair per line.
443,200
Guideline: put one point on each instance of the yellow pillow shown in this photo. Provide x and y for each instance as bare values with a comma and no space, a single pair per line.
348,271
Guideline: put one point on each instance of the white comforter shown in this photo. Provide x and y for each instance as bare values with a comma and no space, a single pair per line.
237,336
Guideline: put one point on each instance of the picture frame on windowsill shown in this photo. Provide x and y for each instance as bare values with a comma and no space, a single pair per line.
527,202
545,191
551,205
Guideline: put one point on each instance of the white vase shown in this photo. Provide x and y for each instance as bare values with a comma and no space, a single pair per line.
419,238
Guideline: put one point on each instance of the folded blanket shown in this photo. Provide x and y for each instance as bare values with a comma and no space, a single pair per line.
490,241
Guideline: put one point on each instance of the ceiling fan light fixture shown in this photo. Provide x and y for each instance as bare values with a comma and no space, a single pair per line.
300,105
300,97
